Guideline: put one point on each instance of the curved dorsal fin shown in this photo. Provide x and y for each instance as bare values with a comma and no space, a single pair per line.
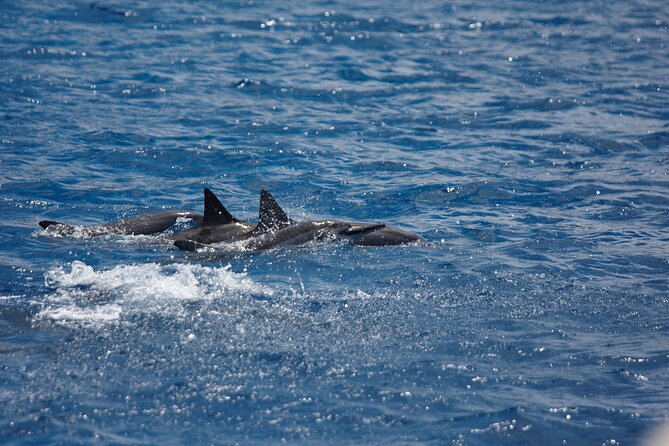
47,223
214,211
271,217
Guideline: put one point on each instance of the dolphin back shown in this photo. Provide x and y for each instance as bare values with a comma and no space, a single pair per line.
150,223
386,236
142,225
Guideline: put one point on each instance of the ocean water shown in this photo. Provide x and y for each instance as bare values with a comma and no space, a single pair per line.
527,142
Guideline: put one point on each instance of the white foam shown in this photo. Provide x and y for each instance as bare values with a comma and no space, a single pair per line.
93,297
10,298
99,314
81,274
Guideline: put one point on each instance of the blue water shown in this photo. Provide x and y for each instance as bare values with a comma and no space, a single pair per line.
526,142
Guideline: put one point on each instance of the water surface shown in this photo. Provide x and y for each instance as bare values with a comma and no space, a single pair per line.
526,142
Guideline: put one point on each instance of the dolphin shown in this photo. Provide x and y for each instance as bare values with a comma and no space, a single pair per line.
360,233
142,225
275,228
217,225
386,236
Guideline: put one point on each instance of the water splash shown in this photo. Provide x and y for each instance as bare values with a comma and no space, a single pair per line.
91,297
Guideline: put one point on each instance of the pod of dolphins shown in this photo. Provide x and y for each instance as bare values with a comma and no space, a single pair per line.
218,225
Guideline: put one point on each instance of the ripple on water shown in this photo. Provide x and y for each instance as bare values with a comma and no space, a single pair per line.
527,144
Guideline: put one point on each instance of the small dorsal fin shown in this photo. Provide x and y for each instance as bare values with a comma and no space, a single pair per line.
214,211
271,217
46,223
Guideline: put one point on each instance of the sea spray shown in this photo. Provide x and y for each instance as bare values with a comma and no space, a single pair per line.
85,295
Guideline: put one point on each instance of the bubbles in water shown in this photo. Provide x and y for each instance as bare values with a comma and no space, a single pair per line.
85,295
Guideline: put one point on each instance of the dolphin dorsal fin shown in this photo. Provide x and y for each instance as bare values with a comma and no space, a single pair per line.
214,211
271,216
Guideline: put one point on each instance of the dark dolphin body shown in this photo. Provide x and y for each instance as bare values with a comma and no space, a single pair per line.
276,228
307,231
142,225
385,236
364,234
218,225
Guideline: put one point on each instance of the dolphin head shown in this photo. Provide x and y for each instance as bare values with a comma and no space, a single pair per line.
360,228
